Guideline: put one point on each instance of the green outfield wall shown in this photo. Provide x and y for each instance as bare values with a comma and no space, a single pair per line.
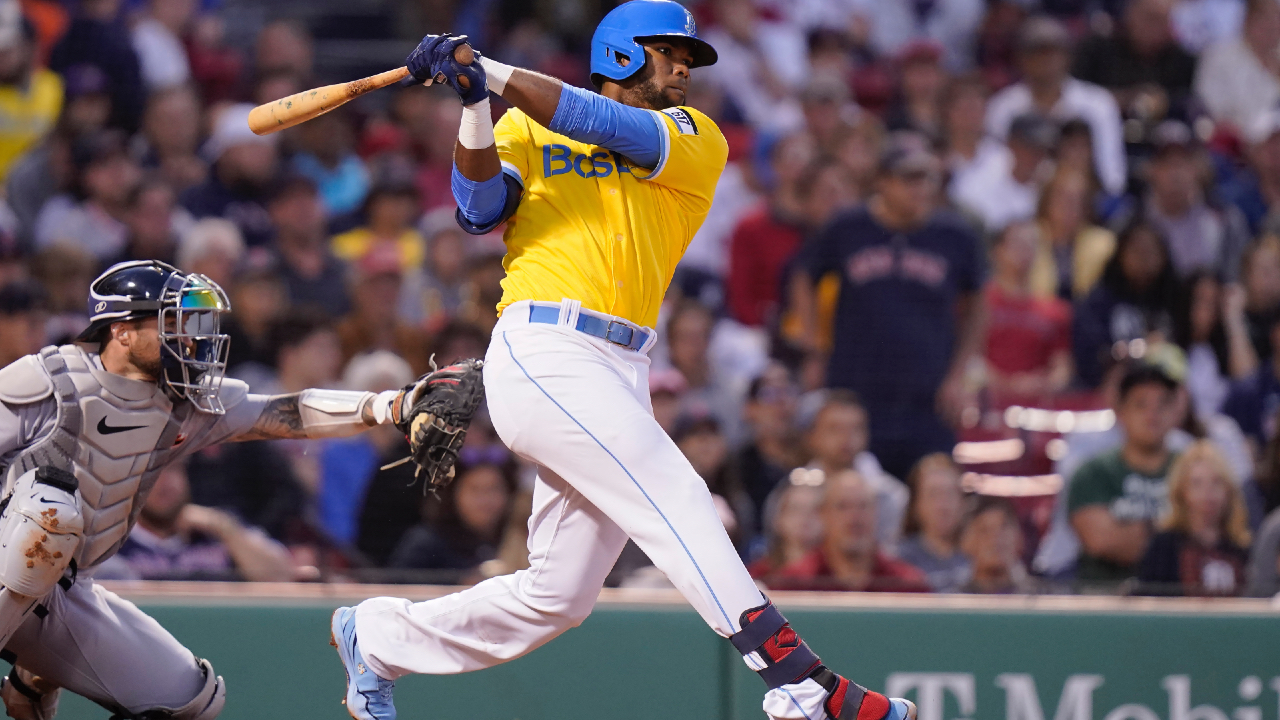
649,656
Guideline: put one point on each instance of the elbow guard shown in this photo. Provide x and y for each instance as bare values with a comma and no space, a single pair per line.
340,413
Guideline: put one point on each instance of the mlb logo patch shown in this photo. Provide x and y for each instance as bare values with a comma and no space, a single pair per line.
684,121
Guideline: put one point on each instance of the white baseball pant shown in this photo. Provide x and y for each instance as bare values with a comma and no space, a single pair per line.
579,408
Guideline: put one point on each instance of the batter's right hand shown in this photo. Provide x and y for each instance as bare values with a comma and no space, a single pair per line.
433,60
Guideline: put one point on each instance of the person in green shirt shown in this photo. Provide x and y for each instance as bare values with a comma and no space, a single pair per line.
1115,498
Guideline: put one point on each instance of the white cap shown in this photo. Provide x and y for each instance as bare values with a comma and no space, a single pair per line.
231,128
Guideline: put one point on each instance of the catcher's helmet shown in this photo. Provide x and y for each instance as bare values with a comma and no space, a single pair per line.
619,32
188,308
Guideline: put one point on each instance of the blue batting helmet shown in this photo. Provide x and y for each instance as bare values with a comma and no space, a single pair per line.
630,22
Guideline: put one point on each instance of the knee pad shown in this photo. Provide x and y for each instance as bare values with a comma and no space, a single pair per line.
40,533
204,706
772,648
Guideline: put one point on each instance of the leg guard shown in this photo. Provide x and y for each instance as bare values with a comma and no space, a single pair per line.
27,697
40,532
205,706
781,657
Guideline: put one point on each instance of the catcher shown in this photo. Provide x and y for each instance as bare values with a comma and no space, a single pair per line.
85,430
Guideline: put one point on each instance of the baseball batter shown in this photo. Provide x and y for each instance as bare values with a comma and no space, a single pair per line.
601,194
85,430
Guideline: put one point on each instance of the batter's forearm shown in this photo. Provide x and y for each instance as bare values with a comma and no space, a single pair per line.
534,93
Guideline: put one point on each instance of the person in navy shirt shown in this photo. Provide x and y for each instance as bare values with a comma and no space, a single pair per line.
909,315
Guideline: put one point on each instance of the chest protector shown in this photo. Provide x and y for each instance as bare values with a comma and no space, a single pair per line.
113,433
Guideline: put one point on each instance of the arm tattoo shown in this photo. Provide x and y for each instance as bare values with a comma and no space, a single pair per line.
280,419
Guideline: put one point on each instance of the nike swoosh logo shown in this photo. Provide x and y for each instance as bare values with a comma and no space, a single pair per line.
105,429
47,501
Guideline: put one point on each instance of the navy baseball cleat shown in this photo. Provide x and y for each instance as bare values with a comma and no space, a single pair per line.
850,701
368,696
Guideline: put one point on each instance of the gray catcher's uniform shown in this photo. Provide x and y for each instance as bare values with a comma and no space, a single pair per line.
60,408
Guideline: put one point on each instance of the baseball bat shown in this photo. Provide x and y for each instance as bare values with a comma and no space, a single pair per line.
301,107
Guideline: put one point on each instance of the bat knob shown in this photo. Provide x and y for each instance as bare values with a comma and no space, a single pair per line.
464,55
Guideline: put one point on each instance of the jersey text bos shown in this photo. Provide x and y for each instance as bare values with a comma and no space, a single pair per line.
561,160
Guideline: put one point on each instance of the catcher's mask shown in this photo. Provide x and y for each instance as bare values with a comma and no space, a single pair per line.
188,309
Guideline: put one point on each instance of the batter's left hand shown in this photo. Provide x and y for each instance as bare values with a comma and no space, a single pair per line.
433,60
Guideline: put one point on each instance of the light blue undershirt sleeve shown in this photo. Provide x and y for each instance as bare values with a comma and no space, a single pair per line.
480,202
596,120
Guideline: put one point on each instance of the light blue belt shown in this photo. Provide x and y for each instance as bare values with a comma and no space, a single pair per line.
605,328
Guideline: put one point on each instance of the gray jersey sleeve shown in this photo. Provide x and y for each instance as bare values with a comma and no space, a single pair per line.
21,425
243,409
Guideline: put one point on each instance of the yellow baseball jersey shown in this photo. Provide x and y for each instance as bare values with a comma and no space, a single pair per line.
593,227
26,113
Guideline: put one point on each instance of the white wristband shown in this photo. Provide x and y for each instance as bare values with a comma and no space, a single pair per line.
476,130
380,406
496,74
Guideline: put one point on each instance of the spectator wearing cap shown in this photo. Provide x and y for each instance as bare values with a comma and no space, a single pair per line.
349,466
390,215
23,311
212,247
92,215
835,427
771,449
1028,347
1046,88
765,241
1074,250
87,105
154,223
170,137
992,539
1134,301
1141,63
97,35
157,39
1115,498
1004,186
325,152
244,165
908,319
952,24
30,96
666,391
312,275
1203,546
849,557
1200,235
1254,188
259,297
372,324
1238,79
921,80
750,74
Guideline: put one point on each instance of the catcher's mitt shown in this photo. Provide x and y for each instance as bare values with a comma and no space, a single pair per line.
442,403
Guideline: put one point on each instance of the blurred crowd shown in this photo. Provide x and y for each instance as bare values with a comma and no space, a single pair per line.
988,299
